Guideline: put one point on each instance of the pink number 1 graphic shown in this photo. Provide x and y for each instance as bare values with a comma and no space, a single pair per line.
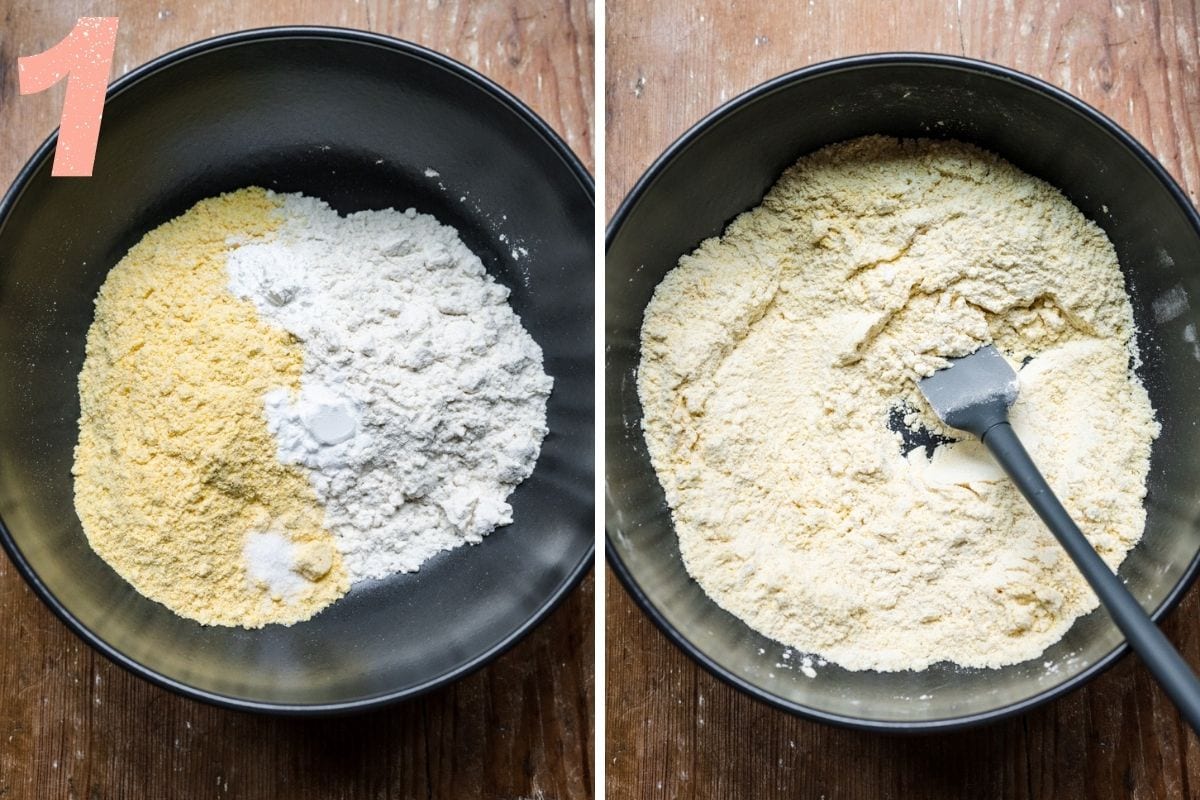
84,57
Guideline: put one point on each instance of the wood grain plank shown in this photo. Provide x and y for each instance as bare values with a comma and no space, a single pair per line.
673,731
72,725
541,50
669,63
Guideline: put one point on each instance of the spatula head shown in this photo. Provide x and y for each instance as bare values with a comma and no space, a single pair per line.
974,392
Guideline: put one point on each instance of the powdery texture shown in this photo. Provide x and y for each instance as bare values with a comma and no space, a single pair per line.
773,356
175,470
422,403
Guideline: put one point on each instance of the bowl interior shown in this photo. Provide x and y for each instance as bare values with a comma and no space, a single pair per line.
725,170
358,122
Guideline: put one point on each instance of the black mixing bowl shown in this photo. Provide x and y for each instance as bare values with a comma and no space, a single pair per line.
722,167
355,119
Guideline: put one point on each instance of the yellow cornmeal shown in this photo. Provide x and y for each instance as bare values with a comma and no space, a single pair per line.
175,466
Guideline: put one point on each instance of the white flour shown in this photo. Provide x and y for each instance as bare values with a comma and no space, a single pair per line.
774,356
423,400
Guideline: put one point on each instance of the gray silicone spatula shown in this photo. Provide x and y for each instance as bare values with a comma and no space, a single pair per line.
974,394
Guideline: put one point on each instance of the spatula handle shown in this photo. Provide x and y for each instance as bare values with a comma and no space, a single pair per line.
1164,661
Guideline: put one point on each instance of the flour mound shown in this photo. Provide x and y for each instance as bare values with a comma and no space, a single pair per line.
778,383
422,403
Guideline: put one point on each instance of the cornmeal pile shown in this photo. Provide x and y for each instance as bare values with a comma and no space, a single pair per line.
778,382
166,498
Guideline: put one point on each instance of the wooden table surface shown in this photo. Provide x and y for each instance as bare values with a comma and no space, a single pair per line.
673,731
72,725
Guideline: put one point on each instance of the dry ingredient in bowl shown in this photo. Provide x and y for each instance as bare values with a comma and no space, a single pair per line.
175,467
277,402
422,403
780,407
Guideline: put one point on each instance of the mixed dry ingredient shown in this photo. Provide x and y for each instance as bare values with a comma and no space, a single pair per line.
778,382
277,401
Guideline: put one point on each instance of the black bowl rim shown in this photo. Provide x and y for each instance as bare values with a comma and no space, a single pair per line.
647,180
12,196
